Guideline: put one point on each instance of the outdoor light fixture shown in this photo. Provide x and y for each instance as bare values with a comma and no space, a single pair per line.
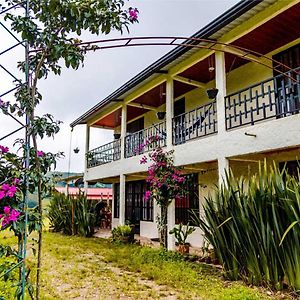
161,115
212,93
76,150
117,136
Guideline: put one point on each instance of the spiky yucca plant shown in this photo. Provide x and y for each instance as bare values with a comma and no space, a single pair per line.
254,226
71,215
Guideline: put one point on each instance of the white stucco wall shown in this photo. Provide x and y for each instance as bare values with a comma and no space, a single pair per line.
270,135
148,229
115,222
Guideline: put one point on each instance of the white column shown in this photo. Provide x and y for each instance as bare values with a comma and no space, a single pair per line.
87,148
122,200
113,204
171,225
223,167
123,129
169,111
221,86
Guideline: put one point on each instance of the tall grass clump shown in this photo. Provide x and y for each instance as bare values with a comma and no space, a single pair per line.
254,226
71,215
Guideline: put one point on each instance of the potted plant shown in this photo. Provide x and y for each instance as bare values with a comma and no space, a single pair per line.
212,93
161,115
122,233
117,136
181,234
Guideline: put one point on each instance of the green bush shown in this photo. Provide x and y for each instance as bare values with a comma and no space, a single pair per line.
122,231
253,225
71,215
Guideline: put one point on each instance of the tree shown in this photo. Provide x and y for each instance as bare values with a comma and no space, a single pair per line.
166,184
50,29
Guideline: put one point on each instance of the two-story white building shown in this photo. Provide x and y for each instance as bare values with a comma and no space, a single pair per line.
252,60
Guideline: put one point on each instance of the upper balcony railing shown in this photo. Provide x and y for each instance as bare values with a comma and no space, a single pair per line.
104,154
276,97
145,140
196,123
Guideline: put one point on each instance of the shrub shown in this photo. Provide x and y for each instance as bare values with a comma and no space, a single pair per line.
122,232
71,215
253,225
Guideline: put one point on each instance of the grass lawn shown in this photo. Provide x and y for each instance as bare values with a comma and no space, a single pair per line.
93,268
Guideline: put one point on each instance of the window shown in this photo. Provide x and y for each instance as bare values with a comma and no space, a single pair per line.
190,202
147,206
136,207
287,87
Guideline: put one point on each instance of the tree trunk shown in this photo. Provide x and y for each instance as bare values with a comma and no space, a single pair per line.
164,227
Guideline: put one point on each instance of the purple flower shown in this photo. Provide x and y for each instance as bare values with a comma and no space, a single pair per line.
133,14
4,149
40,153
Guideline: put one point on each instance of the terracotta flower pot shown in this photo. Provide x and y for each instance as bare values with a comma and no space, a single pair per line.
184,248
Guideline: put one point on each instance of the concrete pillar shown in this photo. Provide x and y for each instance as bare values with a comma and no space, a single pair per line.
171,225
87,148
221,86
113,203
122,200
169,111
123,129
223,166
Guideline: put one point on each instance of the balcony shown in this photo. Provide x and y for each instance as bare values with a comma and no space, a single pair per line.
104,154
145,140
274,98
196,123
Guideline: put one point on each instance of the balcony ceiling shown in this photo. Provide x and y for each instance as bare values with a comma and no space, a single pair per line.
114,119
266,38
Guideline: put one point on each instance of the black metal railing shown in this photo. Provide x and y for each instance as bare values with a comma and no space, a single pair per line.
196,123
145,140
104,154
276,97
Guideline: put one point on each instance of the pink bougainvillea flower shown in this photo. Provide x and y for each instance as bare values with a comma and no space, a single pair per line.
4,149
143,160
133,14
10,215
14,215
6,210
40,153
2,194
11,192
147,195
5,187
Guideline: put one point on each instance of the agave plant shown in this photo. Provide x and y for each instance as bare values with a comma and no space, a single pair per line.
254,226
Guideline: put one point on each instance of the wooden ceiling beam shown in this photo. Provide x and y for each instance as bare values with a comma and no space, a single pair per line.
140,105
190,81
